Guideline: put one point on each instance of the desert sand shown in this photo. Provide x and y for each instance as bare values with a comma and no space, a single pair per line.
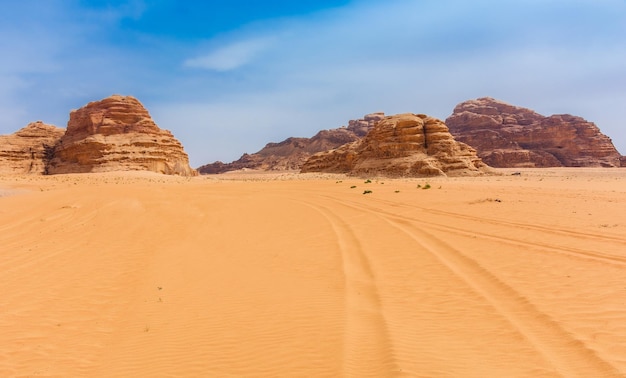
251,275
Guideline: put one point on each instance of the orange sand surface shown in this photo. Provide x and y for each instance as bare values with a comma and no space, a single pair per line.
144,275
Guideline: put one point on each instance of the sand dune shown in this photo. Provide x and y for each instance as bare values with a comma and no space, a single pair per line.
135,274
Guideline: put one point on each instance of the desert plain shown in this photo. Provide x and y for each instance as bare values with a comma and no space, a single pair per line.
307,275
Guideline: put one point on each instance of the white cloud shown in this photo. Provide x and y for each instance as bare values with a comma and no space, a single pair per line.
231,56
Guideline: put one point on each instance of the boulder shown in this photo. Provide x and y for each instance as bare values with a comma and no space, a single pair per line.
401,145
509,136
115,134
27,150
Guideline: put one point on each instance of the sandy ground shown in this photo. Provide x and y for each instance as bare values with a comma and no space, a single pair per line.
136,274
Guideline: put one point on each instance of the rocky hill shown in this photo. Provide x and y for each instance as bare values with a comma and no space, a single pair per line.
401,145
114,134
509,136
291,153
25,151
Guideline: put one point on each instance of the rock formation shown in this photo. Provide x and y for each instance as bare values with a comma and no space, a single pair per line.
509,136
114,134
26,150
401,145
291,153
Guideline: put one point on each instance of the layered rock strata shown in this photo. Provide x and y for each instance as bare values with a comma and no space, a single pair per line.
28,149
509,136
291,153
114,134
402,145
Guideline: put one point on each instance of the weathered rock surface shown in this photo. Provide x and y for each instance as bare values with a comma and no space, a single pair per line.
25,151
401,145
291,153
509,136
115,134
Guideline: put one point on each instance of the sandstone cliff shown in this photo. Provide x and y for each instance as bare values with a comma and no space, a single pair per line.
26,150
291,153
113,134
509,136
401,145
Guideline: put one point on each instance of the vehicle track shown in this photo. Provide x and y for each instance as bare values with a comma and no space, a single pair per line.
532,227
367,347
580,253
570,356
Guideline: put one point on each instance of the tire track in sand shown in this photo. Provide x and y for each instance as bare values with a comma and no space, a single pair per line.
476,231
367,348
553,230
570,356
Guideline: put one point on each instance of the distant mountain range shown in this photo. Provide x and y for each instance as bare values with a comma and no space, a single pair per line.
117,133
503,135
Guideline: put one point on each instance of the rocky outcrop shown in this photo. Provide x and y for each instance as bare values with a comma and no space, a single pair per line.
401,145
291,153
114,134
27,150
509,136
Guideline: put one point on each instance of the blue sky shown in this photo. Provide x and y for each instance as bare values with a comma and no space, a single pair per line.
226,77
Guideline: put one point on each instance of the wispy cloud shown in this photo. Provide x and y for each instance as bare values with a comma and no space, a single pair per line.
231,56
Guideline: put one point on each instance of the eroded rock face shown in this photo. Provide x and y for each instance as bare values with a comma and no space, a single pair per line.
114,134
509,136
401,145
291,153
26,150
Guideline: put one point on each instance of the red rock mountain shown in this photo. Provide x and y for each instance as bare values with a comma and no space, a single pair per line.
291,153
25,151
401,145
114,134
509,136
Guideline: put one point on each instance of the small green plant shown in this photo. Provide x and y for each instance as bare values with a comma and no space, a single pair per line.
353,186
368,181
418,186
367,191
427,186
